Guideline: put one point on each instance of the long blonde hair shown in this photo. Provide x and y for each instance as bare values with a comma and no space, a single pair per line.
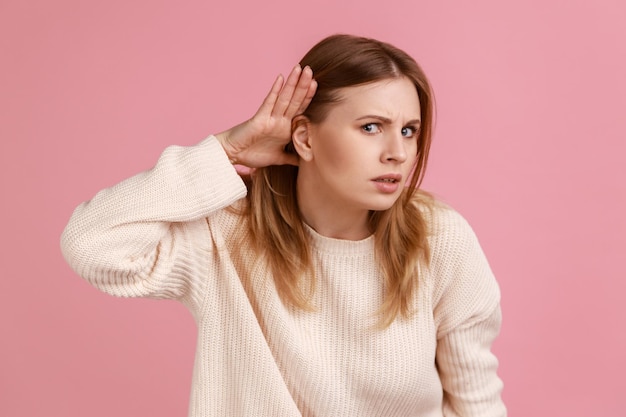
275,223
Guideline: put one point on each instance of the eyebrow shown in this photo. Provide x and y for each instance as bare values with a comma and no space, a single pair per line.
417,122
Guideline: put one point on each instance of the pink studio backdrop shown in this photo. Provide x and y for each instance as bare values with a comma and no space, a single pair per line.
529,147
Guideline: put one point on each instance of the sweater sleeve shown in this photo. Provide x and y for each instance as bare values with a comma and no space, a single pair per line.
468,317
148,235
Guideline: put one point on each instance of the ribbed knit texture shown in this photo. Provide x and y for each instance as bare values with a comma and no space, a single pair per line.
165,233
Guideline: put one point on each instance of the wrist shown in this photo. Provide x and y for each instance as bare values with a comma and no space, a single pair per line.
223,139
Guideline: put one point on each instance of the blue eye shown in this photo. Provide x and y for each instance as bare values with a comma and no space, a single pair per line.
409,132
371,128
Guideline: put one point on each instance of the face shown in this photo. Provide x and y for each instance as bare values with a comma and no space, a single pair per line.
361,155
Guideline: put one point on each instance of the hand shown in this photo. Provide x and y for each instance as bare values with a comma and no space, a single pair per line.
261,141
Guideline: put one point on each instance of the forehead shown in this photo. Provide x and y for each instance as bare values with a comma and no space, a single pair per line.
395,97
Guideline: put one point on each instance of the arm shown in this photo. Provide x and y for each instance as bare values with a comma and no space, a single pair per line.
148,235
468,316
142,236
467,368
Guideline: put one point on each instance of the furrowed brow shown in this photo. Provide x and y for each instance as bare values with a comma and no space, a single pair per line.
416,122
373,116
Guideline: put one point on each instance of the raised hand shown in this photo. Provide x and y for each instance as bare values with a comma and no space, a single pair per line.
260,141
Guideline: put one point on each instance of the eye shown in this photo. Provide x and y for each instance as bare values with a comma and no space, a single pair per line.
371,128
409,131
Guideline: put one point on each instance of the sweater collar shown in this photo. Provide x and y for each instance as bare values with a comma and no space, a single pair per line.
339,246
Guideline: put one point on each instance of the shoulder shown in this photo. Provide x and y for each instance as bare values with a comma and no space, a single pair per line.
446,227
443,224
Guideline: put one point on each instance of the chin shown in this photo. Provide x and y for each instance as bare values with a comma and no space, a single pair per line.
383,204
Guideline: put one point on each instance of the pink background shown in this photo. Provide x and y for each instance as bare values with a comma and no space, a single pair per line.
529,146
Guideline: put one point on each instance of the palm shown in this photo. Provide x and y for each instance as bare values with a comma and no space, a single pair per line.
261,140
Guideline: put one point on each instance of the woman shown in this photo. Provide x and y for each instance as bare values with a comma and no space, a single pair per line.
321,286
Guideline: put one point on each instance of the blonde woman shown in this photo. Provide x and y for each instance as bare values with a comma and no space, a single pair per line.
323,282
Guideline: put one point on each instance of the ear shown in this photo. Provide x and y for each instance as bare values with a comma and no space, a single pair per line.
301,137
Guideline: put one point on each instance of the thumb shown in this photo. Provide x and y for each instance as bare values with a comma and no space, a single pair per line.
288,159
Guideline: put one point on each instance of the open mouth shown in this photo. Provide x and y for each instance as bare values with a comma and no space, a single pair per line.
391,180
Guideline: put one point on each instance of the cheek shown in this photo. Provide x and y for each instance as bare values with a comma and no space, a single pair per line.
330,158
409,165
334,152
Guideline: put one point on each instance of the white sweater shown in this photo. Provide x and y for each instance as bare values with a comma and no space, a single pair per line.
164,233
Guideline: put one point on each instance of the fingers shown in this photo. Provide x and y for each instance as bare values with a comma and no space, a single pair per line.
297,91
284,98
308,97
270,100
300,93
288,159
290,98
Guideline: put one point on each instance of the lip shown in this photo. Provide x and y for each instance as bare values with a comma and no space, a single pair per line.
393,176
388,183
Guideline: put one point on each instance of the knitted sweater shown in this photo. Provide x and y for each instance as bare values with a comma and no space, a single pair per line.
165,233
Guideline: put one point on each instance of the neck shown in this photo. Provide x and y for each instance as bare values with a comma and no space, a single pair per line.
328,217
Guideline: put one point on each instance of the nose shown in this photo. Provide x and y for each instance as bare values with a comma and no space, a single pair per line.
394,149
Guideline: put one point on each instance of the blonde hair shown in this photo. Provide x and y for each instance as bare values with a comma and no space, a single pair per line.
275,223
